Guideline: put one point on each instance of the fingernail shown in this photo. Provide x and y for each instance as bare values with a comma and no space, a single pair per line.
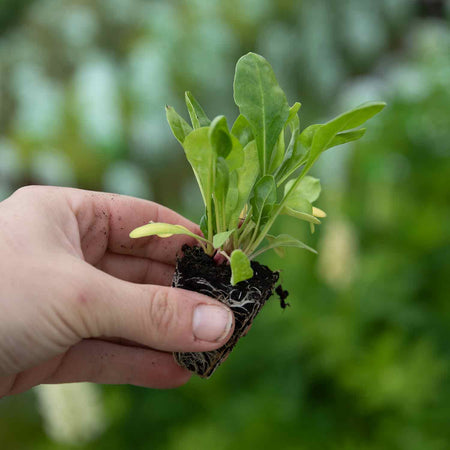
211,323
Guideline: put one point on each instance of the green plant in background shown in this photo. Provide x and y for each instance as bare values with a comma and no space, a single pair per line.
240,171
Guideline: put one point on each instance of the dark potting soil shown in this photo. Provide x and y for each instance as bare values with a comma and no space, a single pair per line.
196,271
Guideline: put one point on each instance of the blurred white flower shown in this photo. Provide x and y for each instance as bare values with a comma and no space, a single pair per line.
337,261
97,100
39,101
72,413
52,167
123,177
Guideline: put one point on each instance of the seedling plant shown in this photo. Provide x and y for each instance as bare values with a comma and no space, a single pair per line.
256,171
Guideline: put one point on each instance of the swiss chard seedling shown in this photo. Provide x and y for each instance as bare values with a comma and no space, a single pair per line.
248,176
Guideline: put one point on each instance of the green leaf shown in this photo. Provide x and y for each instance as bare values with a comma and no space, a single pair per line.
204,224
242,130
220,191
308,188
278,154
294,155
163,230
299,214
200,155
220,238
325,133
220,137
240,267
196,113
341,138
231,203
293,114
235,158
307,135
284,240
263,197
246,177
263,103
347,136
180,128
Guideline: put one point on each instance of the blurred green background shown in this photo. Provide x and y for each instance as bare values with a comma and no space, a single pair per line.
361,358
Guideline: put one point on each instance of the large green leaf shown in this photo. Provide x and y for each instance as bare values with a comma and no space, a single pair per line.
263,103
180,128
196,113
240,267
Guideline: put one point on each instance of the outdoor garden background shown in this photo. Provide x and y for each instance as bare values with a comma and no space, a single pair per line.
360,361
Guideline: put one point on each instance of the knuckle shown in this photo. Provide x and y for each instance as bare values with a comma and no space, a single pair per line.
30,190
86,323
162,312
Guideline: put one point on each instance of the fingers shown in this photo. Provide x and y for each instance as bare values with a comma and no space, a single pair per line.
159,317
105,221
109,363
136,270
102,362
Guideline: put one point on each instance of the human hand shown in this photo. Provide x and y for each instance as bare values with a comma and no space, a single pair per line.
81,301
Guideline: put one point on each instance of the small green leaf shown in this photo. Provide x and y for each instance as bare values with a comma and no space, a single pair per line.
242,130
307,135
180,128
162,230
236,157
196,113
220,238
347,136
278,154
240,267
262,102
308,189
220,190
204,224
264,194
341,138
350,119
284,240
293,113
294,154
300,214
220,136
246,177
200,155
231,202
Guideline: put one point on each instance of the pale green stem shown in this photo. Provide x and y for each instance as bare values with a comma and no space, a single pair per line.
278,210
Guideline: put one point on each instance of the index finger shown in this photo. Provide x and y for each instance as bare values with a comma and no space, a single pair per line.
105,221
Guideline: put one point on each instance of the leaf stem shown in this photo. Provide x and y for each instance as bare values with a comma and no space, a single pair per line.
278,210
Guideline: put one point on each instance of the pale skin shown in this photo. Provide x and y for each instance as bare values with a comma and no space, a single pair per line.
81,301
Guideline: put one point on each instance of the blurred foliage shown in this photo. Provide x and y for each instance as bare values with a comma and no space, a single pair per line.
361,359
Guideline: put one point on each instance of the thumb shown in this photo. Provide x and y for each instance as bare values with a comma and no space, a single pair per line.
160,317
